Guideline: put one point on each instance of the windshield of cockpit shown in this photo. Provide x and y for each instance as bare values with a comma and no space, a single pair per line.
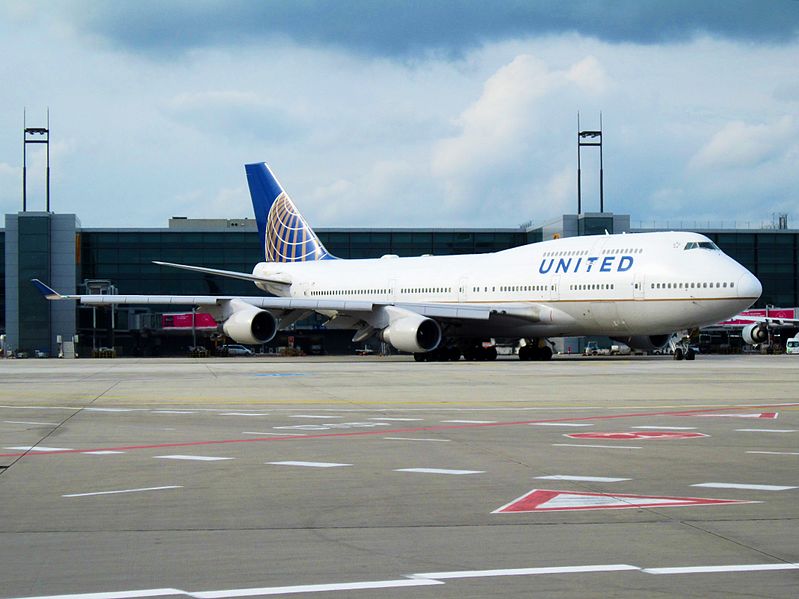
705,245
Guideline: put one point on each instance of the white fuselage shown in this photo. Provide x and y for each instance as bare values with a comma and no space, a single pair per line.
616,285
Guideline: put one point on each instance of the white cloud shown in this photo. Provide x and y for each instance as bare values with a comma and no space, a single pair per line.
740,145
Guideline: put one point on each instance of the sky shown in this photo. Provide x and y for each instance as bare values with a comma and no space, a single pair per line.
412,113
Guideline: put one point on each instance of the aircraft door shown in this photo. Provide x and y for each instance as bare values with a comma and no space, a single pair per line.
638,287
463,288
554,287
392,290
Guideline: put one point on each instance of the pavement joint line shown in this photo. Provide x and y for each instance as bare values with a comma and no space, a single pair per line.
423,579
440,427
123,491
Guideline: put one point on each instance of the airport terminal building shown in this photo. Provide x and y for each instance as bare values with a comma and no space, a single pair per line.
73,259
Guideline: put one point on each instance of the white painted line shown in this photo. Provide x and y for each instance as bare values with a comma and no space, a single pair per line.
33,423
415,439
108,410
705,569
669,428
37,448
438,471
310,464
275,434
524,571
765,430
101,452
398,419
199,458
742,486
588,479
597,446
123,491
469,421
173,412
242,414
776,452
312,416
115,594
560,424
315,588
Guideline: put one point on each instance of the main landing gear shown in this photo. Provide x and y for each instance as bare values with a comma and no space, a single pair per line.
536,350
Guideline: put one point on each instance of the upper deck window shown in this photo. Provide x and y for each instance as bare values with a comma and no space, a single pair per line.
706,245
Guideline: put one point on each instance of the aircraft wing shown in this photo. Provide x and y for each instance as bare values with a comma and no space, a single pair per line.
355,308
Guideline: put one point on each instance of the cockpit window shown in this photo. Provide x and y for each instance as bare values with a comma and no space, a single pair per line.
705,245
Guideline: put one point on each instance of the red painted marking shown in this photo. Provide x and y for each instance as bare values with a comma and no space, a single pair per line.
546,500
369,433
769,415
645,435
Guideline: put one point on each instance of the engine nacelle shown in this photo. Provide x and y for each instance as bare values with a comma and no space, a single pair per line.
250,326
644,342
755,333
413,333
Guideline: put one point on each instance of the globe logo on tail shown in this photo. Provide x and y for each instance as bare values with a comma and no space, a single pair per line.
288,237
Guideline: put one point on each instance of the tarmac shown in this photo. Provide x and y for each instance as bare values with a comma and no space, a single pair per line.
387,478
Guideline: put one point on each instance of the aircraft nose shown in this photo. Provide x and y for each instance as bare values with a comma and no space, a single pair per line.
749,286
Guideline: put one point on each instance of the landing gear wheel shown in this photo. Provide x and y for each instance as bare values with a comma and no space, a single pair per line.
525,353
420,357
545,353
490,354
678,353
690,354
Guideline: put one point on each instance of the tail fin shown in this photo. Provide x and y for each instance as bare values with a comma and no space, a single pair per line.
284,233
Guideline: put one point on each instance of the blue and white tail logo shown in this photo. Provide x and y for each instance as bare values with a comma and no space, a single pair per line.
284,233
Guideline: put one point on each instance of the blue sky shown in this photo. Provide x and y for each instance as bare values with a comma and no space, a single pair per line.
382,114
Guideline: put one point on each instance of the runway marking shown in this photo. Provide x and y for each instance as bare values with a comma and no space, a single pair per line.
440,427
242,414
199,458
769,415
123,491
560,424
101,452
524,571
415,439
589,479
398,419
469,421
280,374
173,412
735,568
776,452
33,423
110,410
425,579
37,448
438,471
765,430
316,588
310,464
743,486
274,434
643,436
669,428
313,416
596,446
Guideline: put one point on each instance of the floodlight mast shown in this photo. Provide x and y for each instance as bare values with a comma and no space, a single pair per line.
589,138
29,136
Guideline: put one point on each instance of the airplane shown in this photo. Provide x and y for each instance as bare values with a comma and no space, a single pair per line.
637,288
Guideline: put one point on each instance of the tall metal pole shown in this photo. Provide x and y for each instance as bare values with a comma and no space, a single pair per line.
579,187
601,171
47,193
24,162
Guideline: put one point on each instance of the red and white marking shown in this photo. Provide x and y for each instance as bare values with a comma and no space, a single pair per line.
546,500
637,435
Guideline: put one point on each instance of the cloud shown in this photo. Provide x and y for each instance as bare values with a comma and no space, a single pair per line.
741,145
399,28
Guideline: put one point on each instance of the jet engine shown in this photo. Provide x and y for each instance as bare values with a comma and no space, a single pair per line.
412,333
249,325
755,333
644,342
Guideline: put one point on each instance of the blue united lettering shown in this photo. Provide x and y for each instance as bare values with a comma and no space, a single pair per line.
568,265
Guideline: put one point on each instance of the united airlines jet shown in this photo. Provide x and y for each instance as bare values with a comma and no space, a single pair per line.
636,288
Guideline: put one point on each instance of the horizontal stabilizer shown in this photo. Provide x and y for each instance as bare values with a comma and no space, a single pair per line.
231,274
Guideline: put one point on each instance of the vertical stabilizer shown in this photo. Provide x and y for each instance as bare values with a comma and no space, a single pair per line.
285,235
